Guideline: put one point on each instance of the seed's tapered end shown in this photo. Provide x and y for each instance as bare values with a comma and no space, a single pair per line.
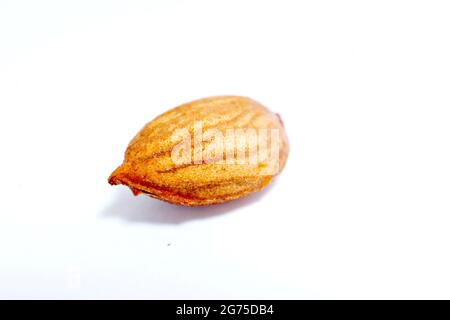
114,178
119,176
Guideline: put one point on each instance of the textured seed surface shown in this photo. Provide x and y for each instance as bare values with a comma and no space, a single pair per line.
148,167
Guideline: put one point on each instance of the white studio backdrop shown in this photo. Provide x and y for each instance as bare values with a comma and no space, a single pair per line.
361,211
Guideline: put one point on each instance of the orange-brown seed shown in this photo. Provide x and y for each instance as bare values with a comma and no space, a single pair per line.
149,166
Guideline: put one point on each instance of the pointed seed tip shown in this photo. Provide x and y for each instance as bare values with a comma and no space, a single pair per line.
114,178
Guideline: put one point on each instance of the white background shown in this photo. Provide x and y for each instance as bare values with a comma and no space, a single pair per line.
362,209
